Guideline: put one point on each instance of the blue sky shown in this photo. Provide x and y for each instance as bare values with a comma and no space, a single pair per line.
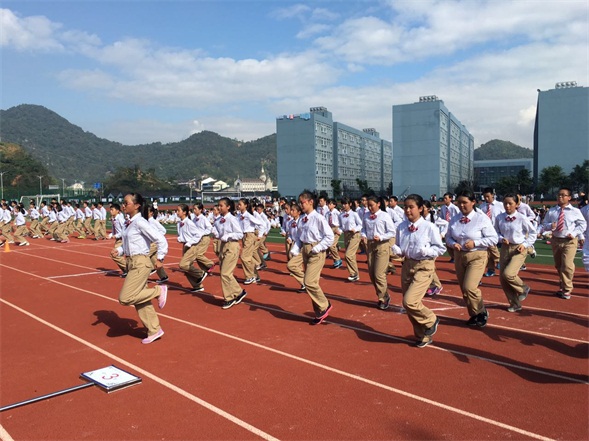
141,71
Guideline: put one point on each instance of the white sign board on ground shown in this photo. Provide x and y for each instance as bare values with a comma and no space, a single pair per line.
111,378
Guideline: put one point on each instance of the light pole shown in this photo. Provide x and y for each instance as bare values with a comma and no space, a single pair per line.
2,182
62,187
40,185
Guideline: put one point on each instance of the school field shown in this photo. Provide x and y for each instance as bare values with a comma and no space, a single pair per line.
259,371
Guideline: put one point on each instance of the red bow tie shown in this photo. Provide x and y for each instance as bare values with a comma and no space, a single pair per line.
413,228
127,223
305,219
222,220
464,220
510,219
346,215
241,217
293,225
181,224
373,216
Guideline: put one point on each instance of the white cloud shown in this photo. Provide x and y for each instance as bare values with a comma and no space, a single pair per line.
294,11
35,33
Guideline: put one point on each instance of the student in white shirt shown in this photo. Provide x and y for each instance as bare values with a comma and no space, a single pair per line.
332,216
249,223
262,254
419,242
377,230
492,208
470,233
118,225
35,226
315,237
7,223
429,215
87,221
228,231
60,233
567,224
20,224
137,236
190,236
585,214
161,272
516,234
285,219
447,211
351,225
295,263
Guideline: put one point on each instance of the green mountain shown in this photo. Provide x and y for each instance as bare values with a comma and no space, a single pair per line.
71,153
497,149
20,172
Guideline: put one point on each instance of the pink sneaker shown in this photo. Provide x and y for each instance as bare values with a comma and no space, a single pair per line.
161,301
152,338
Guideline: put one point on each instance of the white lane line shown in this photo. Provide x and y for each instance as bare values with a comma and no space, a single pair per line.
285,354
82,274
148,374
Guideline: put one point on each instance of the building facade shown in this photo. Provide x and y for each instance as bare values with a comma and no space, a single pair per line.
488,172
561,132
313,150
432,150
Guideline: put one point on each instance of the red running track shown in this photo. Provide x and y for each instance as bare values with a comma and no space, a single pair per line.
258,370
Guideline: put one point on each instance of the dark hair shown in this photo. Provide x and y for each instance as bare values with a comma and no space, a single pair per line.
184,208
427,204
346,200
448,194
513,196
115,206
229,203
380,201
567,189
469,194
309,196
296,207
395,198
199,206
488,190
248,205
139,200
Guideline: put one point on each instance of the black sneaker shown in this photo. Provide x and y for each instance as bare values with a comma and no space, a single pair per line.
431,331
162,280
199,289
240,297
228,304
258,279
423,343
123,275
472,321
382,305
321,316
202,278
482,318
303,288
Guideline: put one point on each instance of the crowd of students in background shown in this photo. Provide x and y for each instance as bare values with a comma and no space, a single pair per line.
481,240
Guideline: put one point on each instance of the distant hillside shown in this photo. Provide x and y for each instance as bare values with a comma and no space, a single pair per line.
71,153
497,149
21,171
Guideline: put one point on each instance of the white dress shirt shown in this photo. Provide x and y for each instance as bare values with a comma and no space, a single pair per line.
378,224
516,228
227,228
350,221
418,241
478,229
138,234
313,229
574,223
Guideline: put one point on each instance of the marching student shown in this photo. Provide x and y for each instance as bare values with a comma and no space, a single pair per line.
397,215
585,213
87,221
7,223
137,236
60,233
516,234
202,223
249,223
79,221
430,216
151,218
492,208
118,225
315,236
566,223
52,222
332,216
363,212
102,210
44,216
229,233
525,209
191,236
377,230
351,225
470,234
419,242
447,211
295,263
35,226
284,221
96,216
213,217
262,252
20,224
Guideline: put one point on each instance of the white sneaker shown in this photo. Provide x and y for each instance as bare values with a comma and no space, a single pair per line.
23,244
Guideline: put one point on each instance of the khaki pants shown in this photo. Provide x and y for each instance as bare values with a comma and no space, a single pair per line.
351,243
60,232
20,233
161,272
287,248
36,228
136,293
313,265
564,251
88,226
121,261
228,256
249,242
43,224
435,280
332,250
416,277
189,255
511,261
295,266
493,258
52,227
378,262
7,231
470,267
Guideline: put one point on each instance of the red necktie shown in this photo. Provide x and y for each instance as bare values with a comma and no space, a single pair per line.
560,223
447,214
489,210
